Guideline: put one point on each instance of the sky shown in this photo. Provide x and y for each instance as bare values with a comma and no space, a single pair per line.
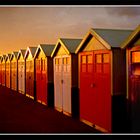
21,27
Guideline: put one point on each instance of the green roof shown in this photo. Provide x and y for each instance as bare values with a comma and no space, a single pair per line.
33,50
7,56
4,56
71,44
23,52
14,54
114,37
47,48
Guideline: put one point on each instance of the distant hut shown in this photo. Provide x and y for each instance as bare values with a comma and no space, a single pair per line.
21,71
14,69
44,74
3,69
30,72
7,63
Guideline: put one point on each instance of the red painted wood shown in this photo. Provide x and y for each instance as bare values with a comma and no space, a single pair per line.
8,75
30,78
3,74
0,73
38,79
133,75
95,89
134,86
14,75
41,80
87,98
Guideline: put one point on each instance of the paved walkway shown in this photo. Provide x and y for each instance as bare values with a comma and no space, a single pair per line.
20,114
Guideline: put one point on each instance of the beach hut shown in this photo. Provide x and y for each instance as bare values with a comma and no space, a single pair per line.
30,72
65,63
102,78
7,66
0,70
3,69
21,71
44,74
14,69
132,47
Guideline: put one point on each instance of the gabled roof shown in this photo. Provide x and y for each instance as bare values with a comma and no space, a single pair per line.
46,48
69,44
131,37
14,54
31,50
108,37
22,52
3,57
7,56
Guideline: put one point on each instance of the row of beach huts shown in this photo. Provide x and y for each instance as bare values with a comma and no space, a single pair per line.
95,79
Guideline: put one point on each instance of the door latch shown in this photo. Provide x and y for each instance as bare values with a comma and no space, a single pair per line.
92,85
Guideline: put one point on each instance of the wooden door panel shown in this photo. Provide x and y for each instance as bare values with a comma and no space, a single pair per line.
87,87
58,83
66,84
44,81
102,77
38,80
3,74
21,77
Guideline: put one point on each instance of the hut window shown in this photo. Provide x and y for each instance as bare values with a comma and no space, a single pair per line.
43,65
38,64
64,61
136,57
83,59
59,61
105,58
68,60
98,58
56,61
89,59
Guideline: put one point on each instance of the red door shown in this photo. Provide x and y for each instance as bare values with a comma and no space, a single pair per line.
31,78
38,79
8,75
134,89
28,83
41,80
87,90
95,88
102,80
3,74
44,81
0,73
13,75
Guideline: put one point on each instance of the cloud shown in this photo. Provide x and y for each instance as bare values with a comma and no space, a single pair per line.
124,11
